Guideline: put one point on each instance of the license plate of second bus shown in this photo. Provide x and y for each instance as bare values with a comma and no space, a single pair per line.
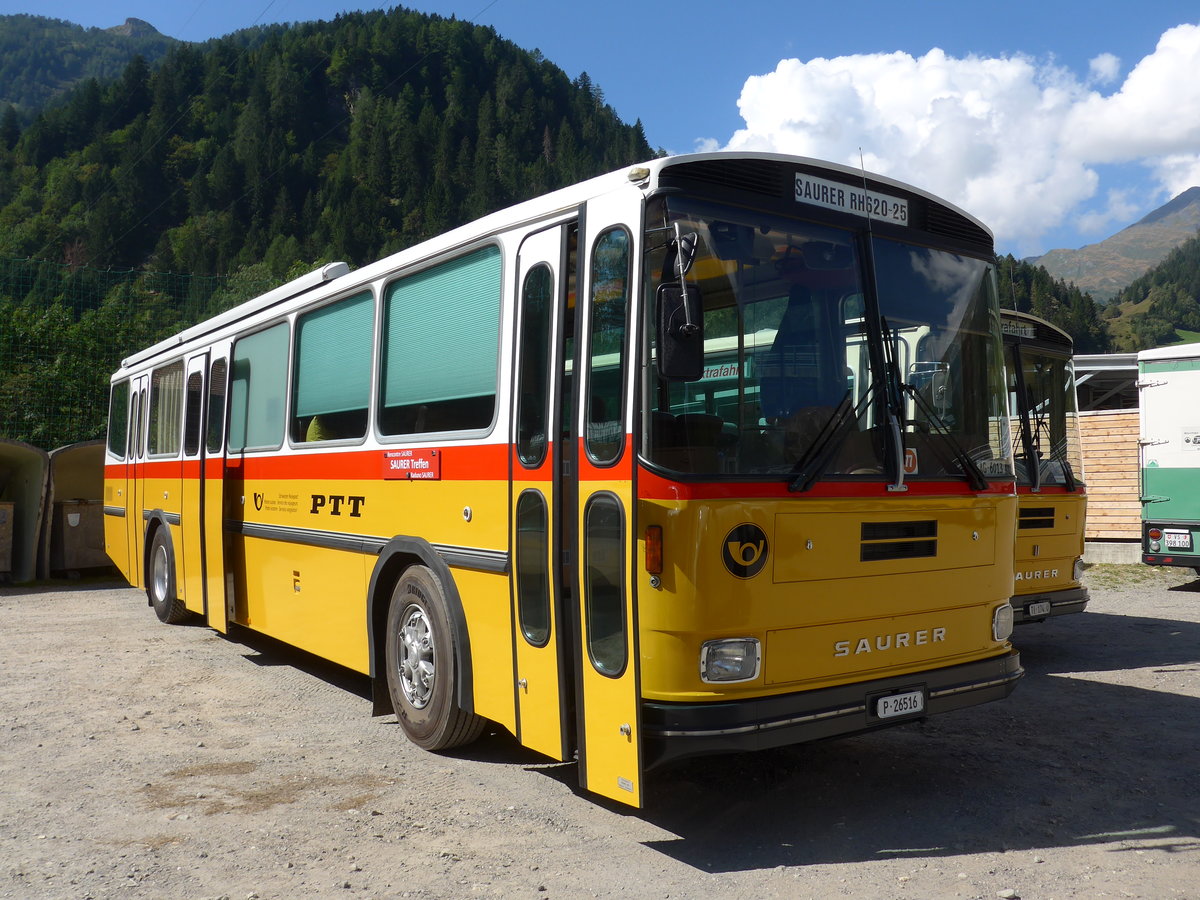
1178,540
900,704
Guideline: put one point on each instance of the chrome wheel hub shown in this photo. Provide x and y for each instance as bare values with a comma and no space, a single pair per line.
416,661
159,574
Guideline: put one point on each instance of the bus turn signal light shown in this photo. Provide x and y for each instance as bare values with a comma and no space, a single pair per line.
654,557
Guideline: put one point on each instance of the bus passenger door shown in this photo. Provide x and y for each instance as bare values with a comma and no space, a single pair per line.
135,521
604,604
191,500
540,635
217,601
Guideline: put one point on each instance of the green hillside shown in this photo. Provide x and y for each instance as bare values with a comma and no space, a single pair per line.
1162,306
42,58
133,207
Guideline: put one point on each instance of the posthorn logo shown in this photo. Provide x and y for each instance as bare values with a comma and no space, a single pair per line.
744,551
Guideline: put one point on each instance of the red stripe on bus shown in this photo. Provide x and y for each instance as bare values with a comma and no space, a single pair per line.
484,462
652,486
1050,489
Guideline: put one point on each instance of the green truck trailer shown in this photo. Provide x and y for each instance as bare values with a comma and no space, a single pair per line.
1169,450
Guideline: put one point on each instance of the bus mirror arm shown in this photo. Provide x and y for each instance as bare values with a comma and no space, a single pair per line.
685,255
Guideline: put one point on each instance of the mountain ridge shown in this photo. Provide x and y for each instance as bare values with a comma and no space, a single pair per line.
1104,268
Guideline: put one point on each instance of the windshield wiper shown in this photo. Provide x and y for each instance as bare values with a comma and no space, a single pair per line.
827,442
894,403
971,470
1033,465
1057,454
1068,472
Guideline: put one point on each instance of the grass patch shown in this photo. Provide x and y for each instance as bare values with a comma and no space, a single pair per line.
1111,576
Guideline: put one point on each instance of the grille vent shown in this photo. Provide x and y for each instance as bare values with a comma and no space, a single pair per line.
946,222
1036,517
755,176
898,540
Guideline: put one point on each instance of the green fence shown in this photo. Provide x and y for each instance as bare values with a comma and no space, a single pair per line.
64,329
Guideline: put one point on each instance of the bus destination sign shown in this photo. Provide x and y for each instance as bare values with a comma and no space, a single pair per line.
1018,329
844,198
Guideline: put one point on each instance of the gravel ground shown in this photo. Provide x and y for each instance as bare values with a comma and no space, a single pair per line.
144,761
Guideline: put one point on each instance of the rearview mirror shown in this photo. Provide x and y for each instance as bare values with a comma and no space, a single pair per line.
680,337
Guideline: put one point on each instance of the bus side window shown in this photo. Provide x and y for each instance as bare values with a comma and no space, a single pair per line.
216,406
194,406
166,410
606,367
258,390
332,384
441,347
118,420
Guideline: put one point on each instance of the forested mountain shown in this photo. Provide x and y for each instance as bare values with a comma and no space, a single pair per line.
1104,268
348,139
250,158
1030,288
1162,306
41,58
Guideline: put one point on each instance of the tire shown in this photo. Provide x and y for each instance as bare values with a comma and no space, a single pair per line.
422,664
160,583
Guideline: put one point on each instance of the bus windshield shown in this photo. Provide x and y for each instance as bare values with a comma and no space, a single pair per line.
1050,407
813,362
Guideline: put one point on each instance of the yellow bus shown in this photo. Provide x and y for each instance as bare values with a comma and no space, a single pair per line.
1051,495
495,473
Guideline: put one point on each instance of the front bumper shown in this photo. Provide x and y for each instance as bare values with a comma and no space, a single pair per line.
1073,600
674,731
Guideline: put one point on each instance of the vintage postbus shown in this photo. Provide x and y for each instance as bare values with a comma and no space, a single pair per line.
1048,453
704,455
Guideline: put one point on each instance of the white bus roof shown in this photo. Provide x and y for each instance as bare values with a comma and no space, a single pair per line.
1175,351
643,176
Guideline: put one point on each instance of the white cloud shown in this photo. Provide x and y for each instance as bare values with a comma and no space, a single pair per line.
1178,172
1104,69
1120,209
1012,139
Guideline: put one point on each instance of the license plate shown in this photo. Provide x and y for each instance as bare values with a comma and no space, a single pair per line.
900,704
1041,608
1178,540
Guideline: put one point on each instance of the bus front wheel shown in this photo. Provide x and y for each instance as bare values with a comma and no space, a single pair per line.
160,586
421,664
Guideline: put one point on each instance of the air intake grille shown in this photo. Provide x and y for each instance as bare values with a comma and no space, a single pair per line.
898,540
755,176
943,221
1036,517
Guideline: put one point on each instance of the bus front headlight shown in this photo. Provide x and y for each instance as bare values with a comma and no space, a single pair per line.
1077,574
1002,622
729,659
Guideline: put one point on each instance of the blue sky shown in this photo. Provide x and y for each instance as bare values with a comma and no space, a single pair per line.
1057,123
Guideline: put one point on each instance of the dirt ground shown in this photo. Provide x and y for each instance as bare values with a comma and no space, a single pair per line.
139,760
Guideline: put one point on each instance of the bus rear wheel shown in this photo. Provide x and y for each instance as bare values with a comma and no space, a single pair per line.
421,664
160,586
